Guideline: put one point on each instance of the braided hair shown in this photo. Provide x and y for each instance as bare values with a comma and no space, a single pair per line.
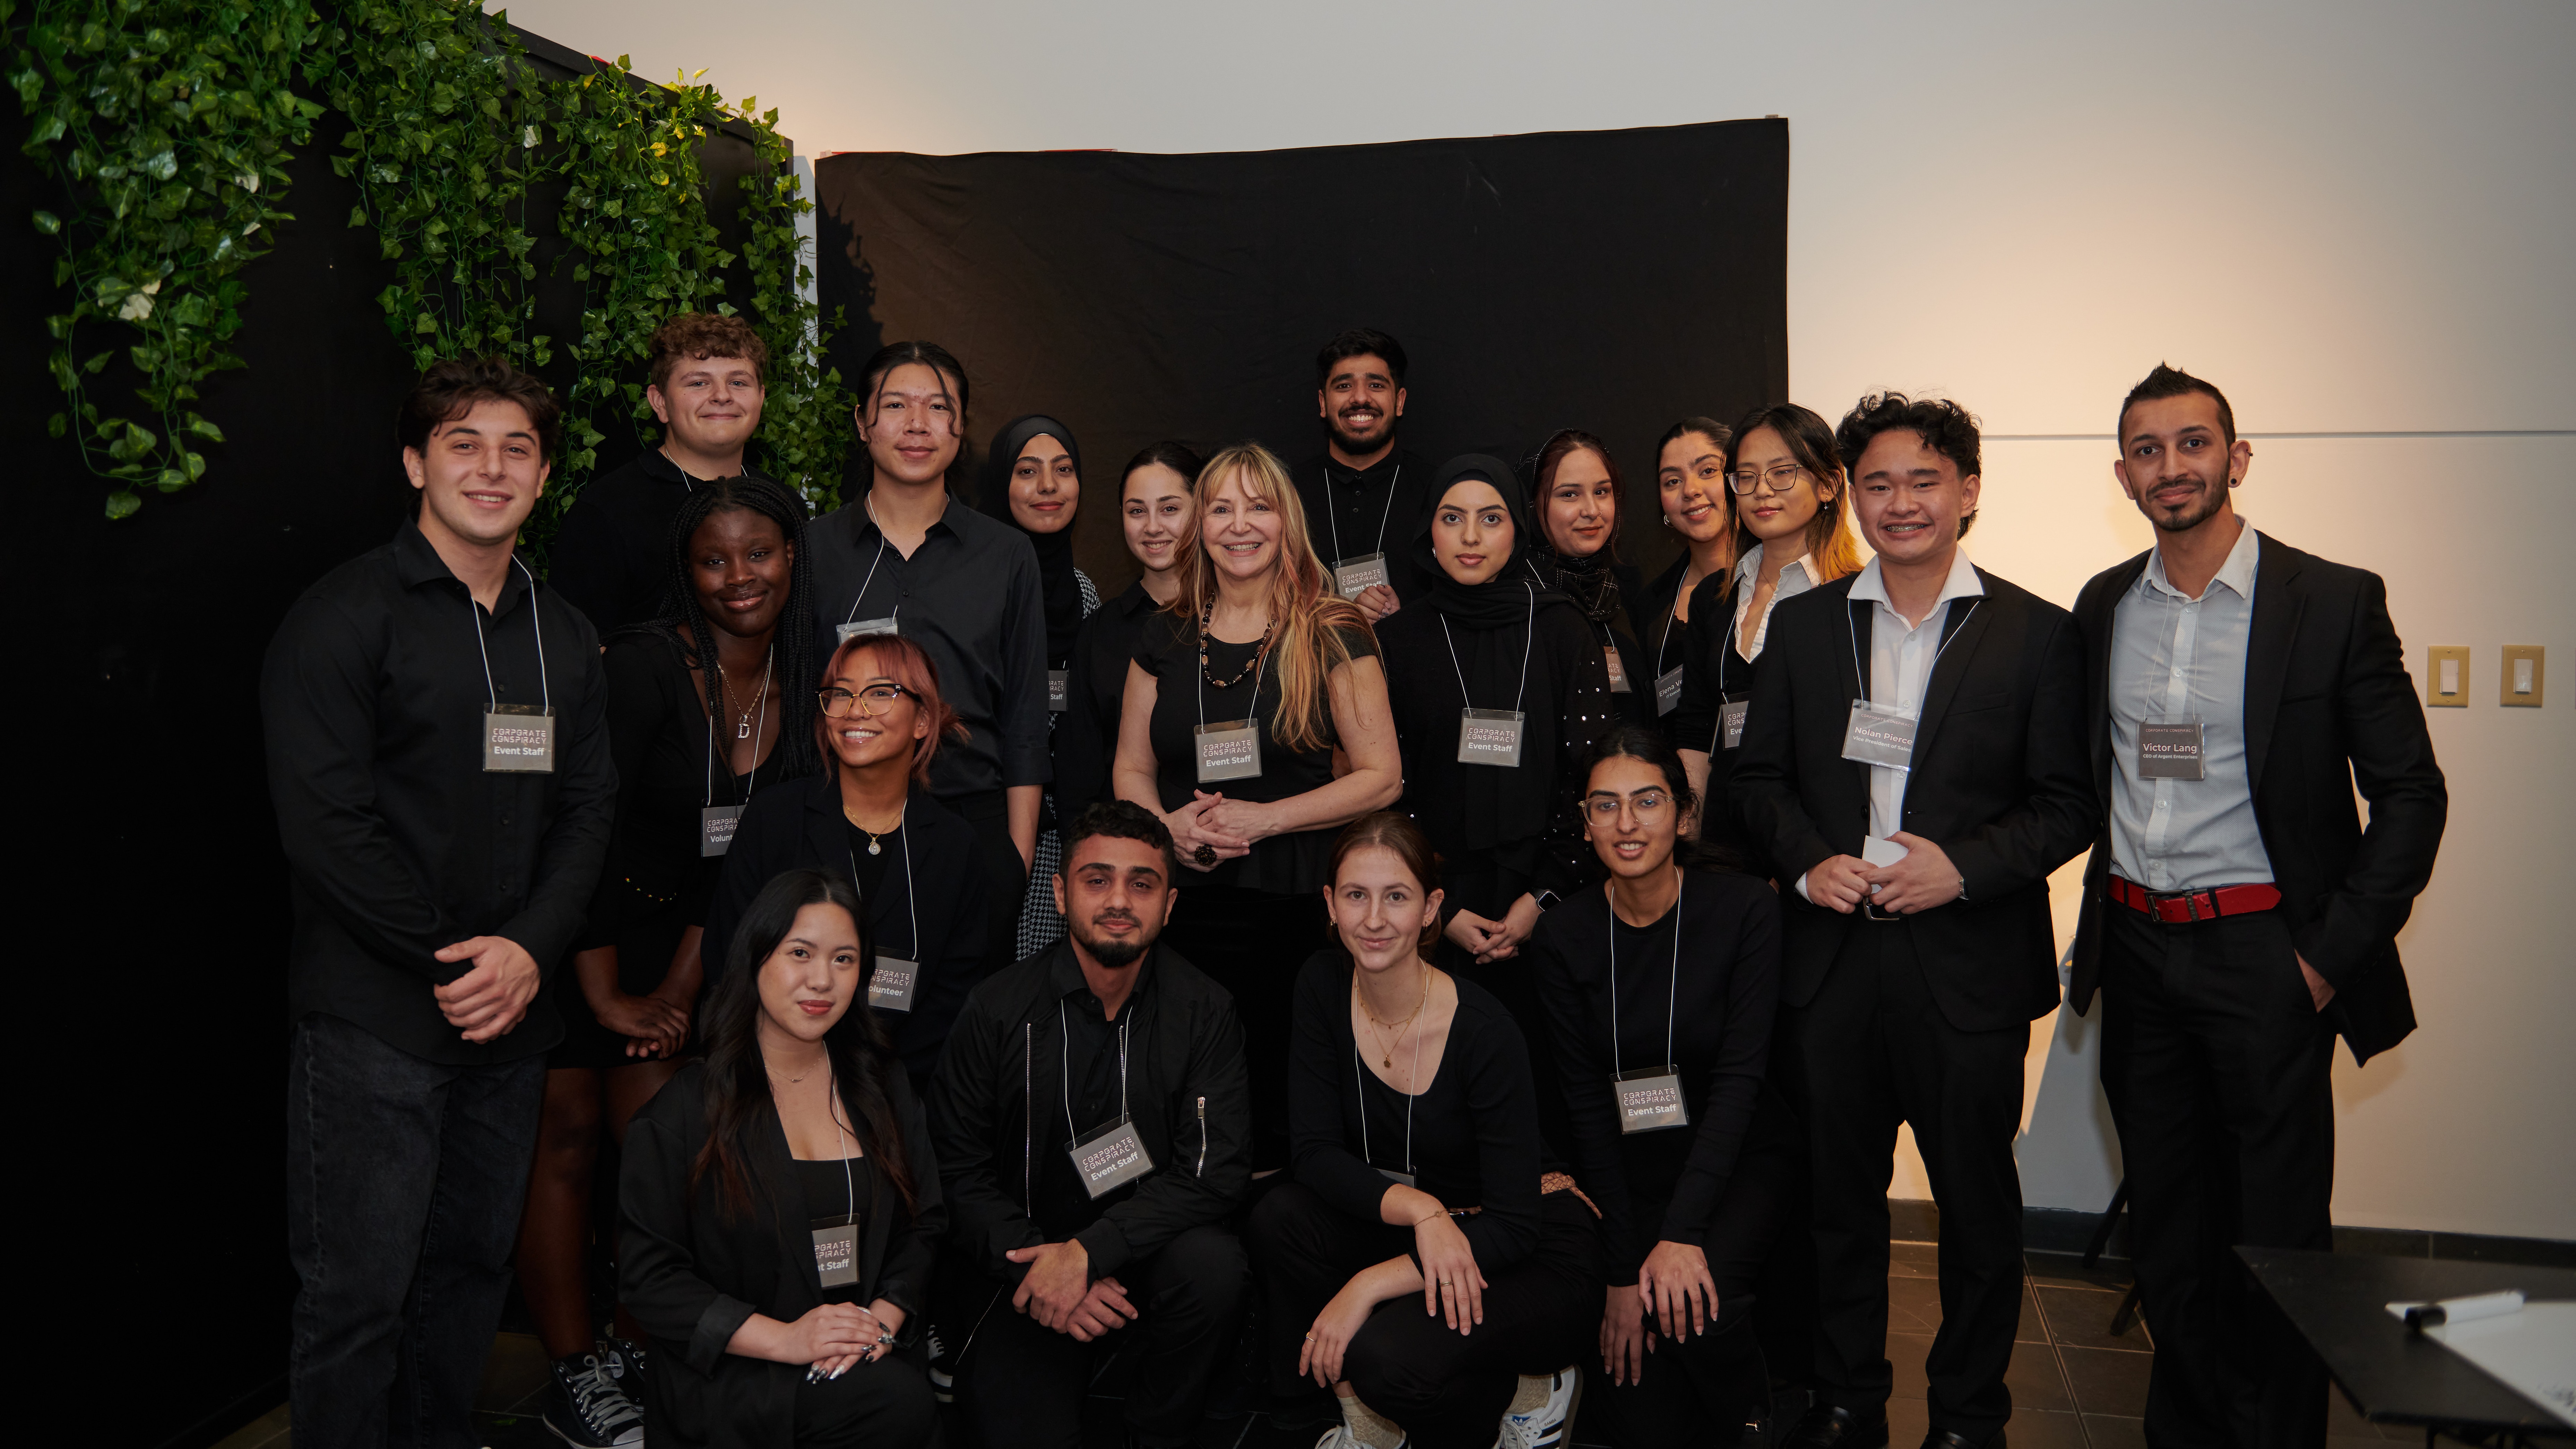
798,668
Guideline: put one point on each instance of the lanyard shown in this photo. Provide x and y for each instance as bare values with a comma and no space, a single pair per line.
1853,631
870,504
1361,1086
1529,632
911,910
1333,516
849,1185
545,687
1064,1059
761,723
1672,993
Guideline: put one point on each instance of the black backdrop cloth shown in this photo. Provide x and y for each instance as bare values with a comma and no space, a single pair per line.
1608,280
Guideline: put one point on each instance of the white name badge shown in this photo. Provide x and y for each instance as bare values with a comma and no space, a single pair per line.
2169,749
1109,1157
716,825
519,739
1730,719
890,985
857,627
1489,736
1230,750
1059,689
1650,1099
1364,571
1878,735
1668,690
1618,672
836,1250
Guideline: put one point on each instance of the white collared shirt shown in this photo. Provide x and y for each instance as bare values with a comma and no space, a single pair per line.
1901,656
1796,577
2174,657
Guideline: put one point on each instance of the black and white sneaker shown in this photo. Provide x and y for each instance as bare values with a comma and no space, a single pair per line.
624,1360
1544,1426
943,1369
590,1409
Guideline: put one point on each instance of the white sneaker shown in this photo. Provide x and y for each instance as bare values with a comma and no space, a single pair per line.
1340,1437
1544,1427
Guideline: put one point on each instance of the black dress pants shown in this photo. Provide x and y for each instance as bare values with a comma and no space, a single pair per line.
1023,1383
884,1403
1252,943
1006,876
1448,1390
1695,1390
2217,1067
1483,882
1872,1050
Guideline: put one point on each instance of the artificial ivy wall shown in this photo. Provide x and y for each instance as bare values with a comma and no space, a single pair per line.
169,123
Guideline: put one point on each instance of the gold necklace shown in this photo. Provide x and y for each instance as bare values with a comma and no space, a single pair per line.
1386,1049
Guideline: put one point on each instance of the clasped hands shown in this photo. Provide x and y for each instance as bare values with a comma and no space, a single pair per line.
1059,1293
1229,827
1491,940
490,1000
1923,879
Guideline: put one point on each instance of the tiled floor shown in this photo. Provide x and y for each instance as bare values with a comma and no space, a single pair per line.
2075,1385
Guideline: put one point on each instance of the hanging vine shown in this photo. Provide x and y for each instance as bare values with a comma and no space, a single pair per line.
167,127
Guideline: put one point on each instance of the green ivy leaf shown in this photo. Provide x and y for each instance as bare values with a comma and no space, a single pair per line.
121,504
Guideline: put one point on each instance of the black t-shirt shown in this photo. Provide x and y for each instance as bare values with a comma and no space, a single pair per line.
1168,649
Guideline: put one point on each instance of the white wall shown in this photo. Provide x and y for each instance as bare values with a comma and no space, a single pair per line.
2356,217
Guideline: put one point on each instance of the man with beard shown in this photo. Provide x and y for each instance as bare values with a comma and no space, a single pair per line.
1364,485
2237,917
1093,1129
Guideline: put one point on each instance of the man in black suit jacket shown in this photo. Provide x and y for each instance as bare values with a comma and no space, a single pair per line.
1916,830
2236,915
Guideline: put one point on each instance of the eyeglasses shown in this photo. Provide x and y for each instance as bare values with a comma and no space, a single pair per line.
1779,480
1604,809
874,700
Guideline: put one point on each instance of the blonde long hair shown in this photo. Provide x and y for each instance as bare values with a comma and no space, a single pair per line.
1307,614
1810,440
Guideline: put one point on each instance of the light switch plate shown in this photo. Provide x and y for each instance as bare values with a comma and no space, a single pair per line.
2522,675
2446,675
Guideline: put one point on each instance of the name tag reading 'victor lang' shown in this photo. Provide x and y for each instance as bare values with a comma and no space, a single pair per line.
1109,1157
1230,750
1878,735
716,825
519,739
1650,1099
1364,571
2169,749
890,985
1489,736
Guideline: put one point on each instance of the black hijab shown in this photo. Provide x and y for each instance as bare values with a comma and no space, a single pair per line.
1059,590
1506,597
1591,582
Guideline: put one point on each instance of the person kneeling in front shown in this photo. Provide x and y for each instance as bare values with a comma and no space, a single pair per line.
781,1203
1095,1127
1422,1265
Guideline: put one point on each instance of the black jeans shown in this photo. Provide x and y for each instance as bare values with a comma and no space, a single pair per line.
2217,1066
1447,1389
1873,1050
404,1180
1023,1383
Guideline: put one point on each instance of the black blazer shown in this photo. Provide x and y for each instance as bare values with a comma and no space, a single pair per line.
693,1274
1998,783
2328,706
798,823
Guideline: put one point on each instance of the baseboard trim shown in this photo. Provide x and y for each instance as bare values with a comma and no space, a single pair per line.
2067,1230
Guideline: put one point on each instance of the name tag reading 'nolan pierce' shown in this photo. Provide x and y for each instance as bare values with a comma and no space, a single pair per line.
2169,749
519,739
1229,750
1878,735
1357,573
1109,1157
716,825
1650,1099
890,985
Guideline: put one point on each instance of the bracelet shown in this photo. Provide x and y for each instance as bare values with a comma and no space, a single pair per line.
1417,1222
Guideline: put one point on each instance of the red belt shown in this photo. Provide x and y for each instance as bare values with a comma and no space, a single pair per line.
2178,907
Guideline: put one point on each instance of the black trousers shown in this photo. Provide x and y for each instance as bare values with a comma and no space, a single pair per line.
1251,943
1481,882
2217,1067
1698,1389
1006,876
404,1182
1023,1383
1447,1389
884,1403
1873,1050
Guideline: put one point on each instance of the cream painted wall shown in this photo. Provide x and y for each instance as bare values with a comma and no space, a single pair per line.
2356,217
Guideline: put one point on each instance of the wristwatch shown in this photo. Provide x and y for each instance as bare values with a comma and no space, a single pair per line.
1548,901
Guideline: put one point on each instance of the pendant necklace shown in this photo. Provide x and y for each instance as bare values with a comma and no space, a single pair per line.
874,848
1260,647
1386,1049
742,715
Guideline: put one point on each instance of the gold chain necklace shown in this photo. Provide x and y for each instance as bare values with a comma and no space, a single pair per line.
1386,1049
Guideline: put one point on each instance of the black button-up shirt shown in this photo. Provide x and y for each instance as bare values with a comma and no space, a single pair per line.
1368,510
969,595
611,556
1090,1060
398,842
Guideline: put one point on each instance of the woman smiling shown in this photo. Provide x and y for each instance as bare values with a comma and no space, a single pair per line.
1154,509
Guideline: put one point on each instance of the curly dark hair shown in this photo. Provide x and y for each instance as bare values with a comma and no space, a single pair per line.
450,388
702,335
2170,381
1945,427
798,668
1359,342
